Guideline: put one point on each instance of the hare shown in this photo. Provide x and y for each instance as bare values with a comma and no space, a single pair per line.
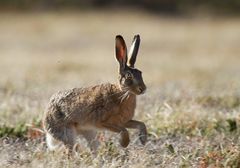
107,106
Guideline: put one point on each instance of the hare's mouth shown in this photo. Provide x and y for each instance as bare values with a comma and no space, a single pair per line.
138,91
135,90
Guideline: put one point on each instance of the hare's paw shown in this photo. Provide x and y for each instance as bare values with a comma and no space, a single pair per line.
124,141
143,137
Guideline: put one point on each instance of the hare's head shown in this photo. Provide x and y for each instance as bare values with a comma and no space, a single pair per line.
130,77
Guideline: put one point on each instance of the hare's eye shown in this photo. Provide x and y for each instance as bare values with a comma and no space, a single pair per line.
128,75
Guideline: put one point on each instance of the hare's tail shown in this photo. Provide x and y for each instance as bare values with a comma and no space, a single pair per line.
52,143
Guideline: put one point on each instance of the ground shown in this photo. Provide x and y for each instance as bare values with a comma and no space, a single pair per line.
190,66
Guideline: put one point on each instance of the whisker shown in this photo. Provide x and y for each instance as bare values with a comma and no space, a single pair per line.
125,95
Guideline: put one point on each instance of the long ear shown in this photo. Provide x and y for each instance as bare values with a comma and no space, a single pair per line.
134,50
121,52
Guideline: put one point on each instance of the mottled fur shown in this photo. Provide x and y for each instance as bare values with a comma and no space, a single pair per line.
107,106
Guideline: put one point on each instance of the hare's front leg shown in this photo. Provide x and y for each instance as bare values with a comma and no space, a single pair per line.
141,127
124,141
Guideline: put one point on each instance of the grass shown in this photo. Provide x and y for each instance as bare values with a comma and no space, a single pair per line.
190,65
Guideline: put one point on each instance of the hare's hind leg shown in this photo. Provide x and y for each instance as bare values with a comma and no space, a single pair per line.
65,134
91,137
69,138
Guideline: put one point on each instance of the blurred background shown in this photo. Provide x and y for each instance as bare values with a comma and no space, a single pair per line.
189,56
188,49
156,6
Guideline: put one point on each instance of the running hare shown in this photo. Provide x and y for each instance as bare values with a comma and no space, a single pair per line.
106,106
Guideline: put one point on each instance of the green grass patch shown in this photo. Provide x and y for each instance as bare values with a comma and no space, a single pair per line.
191,126
21,130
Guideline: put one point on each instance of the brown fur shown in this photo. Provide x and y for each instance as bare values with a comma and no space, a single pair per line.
84,110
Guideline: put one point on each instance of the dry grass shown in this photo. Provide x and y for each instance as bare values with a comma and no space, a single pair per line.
191,68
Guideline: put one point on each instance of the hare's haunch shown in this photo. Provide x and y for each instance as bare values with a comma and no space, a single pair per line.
107,106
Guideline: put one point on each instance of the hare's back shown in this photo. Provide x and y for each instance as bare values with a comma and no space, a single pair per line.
83,99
